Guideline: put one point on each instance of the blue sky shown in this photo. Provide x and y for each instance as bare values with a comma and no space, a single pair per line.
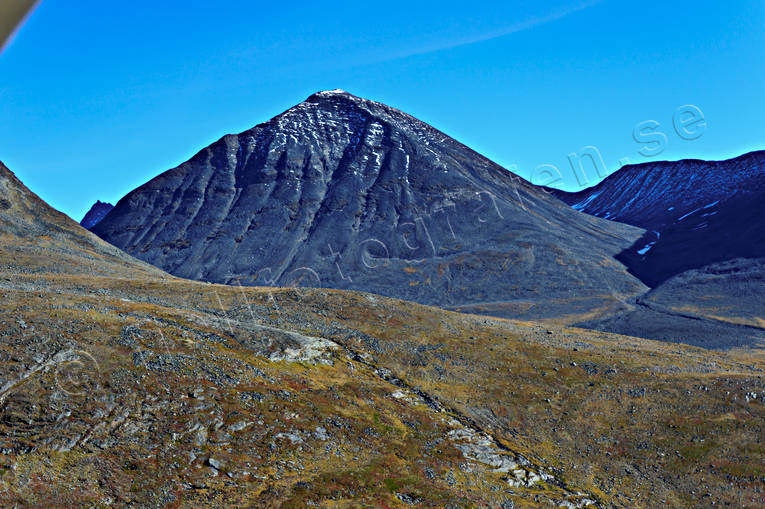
97,99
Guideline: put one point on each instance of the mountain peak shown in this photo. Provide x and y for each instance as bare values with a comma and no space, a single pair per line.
96,213
337,91
341,101
346,192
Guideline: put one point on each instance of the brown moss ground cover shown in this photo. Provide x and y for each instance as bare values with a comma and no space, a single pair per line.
635,421
176,383
167,401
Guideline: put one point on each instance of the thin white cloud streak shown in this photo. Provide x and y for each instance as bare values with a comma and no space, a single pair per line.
520,26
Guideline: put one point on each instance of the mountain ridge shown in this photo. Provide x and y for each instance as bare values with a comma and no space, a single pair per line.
711,209
616,196
33,230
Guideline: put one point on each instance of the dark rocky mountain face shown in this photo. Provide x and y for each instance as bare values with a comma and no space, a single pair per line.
698,212
704,253
653,195
733,227
96,213
347,193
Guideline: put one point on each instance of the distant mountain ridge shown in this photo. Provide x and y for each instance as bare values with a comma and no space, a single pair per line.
650,195
698,212
96,213
348,193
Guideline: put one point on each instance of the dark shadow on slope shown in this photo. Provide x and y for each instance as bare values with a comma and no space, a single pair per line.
644,322
719,306
712,234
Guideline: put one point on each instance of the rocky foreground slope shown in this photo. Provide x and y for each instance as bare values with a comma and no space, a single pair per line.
124,386
347,193
35,238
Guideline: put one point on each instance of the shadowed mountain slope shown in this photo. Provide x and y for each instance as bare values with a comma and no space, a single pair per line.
697,212
703,254
725,229
348,193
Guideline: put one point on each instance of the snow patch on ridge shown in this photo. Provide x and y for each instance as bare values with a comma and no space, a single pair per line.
583,204
337,91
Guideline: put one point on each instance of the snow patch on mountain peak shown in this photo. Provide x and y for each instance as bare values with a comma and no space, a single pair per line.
337,91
